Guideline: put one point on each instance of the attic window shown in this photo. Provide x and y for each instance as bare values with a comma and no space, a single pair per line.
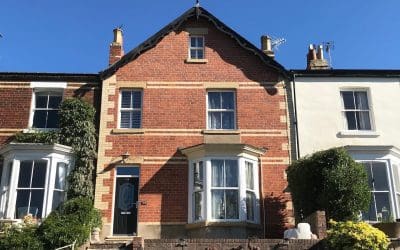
196,49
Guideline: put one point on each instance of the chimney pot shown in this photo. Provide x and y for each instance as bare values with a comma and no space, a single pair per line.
266,46
116,47
118,36
315,59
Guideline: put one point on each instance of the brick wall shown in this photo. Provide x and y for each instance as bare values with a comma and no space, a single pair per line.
174,115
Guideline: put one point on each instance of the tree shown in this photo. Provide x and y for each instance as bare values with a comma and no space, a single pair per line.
329,180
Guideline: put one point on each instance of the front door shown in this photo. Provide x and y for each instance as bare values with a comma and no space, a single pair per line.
125,206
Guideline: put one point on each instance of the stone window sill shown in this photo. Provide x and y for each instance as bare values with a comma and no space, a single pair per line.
357,133
128,131
200,61
220,132
222,224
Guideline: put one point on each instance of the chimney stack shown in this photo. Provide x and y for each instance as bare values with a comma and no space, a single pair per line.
116,47
266,46
315,59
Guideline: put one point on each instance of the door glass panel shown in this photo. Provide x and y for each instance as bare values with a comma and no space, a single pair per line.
126,196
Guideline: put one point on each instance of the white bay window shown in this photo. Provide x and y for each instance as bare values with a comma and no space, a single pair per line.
223,183
33,179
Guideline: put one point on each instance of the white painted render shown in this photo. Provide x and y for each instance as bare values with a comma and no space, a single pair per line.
319,112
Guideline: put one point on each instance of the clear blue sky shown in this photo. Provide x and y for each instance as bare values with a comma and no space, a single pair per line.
74,35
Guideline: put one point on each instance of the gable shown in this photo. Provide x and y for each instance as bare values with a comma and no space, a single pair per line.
230,56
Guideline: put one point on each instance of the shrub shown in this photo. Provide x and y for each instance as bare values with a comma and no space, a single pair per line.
329,180
73,220
21,237
48,137
355,235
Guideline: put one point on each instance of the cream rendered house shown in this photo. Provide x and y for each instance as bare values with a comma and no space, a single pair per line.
356,109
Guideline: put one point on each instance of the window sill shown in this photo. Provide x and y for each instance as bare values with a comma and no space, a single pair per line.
357,133
200,61
201,224
128,131
220,132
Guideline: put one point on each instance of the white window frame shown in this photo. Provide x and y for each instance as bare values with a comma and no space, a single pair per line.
196,47
389,176
208,110
370,112
207,202
12,162
35,92
120,109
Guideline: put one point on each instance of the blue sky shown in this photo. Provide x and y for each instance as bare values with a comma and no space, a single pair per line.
74,35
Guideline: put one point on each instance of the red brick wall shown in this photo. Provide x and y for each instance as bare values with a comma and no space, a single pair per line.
15,104
164,186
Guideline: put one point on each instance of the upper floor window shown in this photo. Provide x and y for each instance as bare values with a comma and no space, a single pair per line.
45,109
356,110
131,109
221,110
196,49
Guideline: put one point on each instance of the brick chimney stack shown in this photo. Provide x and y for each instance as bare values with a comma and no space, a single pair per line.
315,59
266,46
116,47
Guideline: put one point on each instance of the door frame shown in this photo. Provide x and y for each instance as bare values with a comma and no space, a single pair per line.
114,194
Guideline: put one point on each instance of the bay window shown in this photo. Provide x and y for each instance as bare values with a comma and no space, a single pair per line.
33,179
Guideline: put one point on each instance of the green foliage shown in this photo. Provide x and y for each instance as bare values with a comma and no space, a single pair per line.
73,220
21,237
48,137
329,180
77,130
355,236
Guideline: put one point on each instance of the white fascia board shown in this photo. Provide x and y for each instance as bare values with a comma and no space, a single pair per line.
49,85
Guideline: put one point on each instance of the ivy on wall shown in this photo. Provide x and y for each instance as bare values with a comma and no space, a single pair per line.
77,130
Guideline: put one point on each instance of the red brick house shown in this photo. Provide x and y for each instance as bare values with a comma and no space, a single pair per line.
193,135
33,175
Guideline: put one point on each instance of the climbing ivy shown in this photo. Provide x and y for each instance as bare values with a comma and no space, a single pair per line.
77,131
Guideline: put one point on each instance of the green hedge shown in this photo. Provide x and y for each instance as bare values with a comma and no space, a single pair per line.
21,237
329,180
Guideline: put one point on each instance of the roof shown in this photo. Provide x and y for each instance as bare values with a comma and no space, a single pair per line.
198,12
388,73
73,77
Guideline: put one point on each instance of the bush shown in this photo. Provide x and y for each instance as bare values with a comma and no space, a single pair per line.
48,137
21,237
73,220
329,180
355,235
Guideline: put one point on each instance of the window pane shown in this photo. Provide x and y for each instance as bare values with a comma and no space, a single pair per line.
214,120
363,120
193,42
125,119
137,99
36,203
58,198
39,119
54,101
200,54
370,215
217,168
227,100
198,203
41,101
231,173
136,118
193,54
383,205
39,174
351,120
361,100
217,204
25,172
61,176
125,99
249,176
232,201
250,205
380,176
198,176
367,167
228,120
348,99
52,119
396,178
214,100
200,42
21,205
